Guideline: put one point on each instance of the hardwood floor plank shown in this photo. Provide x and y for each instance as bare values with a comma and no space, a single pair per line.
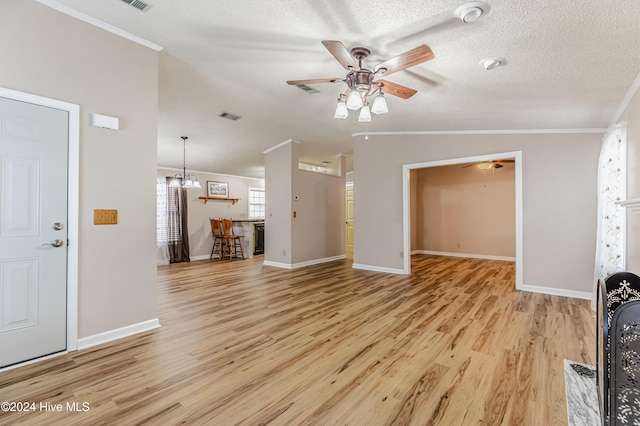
242,343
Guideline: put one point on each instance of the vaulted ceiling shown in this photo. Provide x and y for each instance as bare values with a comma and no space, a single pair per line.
568,65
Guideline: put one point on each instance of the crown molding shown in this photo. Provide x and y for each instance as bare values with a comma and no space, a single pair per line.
596,130
97,23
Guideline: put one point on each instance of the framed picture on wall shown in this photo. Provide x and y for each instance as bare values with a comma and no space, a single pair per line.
217,189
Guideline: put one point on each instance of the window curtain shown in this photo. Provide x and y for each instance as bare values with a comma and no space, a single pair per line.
177,232
612,181
161,221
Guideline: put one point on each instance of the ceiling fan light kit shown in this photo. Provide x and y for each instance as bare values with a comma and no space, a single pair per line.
471,12
361,83
341,108
379,105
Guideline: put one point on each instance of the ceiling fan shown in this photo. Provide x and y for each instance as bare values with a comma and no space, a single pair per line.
485,165
361,82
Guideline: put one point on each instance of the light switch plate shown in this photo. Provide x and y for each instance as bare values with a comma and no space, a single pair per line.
105,217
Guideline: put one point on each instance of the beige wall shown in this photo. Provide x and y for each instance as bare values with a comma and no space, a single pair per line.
465,210
559,199
50,54
318,229
278,171
199,213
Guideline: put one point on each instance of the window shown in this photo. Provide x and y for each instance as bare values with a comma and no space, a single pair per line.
161,210
256,203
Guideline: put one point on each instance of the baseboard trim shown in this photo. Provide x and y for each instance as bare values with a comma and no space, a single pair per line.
557,292
303,264
467,255
118,333
201,257
378,269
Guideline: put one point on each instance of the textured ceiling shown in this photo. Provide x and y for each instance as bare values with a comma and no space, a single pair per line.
569,65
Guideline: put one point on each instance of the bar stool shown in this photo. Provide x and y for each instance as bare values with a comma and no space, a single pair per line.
231,240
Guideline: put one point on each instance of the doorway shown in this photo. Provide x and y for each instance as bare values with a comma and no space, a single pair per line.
349,220
39,141
516,156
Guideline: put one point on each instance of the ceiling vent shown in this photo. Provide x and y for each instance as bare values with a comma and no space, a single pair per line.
307,88
229,116
140,5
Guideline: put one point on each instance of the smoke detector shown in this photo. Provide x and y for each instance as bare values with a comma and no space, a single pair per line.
472,11
491,63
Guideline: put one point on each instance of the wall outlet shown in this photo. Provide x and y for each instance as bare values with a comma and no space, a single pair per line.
402,254
284,252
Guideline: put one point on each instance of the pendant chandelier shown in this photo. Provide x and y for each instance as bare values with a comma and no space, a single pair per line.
184,180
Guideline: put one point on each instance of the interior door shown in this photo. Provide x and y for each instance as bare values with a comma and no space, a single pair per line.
349,233
33,230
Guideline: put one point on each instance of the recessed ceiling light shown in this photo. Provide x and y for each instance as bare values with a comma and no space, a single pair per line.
471,12
491,63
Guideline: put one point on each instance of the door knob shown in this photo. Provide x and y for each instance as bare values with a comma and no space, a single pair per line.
54,243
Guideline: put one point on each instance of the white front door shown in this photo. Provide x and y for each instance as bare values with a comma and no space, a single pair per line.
33,230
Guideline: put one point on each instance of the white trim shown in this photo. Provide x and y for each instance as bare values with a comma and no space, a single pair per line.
97,23
635,86
200,257
483,132
173,169
303,264
277,264
378,269
73,184
118,333
406,219
557,292
288,141
632,204
466,255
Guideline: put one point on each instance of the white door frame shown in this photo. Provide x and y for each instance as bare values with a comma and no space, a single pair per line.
73,180
406,207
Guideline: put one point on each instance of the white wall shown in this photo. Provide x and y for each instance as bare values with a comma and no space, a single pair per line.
49,54
559,199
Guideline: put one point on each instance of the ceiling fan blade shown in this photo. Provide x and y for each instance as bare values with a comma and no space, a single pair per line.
496,165
314,81
505,161
396,89
468,165
341,54
407,59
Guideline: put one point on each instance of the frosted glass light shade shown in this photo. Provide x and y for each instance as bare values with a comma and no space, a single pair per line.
354,101
341,110
365,115
379,105
174,183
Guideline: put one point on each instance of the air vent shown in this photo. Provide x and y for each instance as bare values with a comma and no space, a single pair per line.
140,5
229,116
307,88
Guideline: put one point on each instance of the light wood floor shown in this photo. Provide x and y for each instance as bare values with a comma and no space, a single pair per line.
243,343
